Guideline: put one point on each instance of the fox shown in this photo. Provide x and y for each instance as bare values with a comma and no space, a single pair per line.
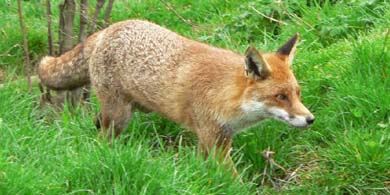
215,92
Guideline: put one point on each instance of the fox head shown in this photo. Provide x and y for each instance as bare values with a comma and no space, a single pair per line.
272,90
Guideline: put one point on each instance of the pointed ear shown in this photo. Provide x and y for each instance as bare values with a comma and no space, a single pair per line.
288,49
255,65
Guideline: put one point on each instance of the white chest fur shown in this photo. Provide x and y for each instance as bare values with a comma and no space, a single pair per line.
252,113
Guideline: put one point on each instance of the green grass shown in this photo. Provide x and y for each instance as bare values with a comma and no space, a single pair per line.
342,64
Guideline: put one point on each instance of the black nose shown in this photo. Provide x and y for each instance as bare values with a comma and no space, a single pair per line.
310,119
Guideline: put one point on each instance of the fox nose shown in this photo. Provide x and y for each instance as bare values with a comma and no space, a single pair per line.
310,119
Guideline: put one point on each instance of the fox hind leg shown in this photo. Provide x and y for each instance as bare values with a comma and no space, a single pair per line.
115,115
98,120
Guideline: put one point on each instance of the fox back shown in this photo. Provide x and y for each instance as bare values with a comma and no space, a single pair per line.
162,70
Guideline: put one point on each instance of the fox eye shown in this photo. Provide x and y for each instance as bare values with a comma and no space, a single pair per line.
282,97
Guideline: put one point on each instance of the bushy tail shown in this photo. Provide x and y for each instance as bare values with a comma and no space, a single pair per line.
70,70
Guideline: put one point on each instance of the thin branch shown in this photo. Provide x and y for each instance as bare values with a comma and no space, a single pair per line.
25,46
6,53
84,4
189,22
34,81
2,75
99,5
292,15
67,13
384,50
292,175
107,13
49,31
265,16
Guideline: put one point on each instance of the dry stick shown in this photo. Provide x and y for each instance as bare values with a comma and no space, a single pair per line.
292,15
84,8
34,80
25,46
264,173
268,155
49,31
6,53
60,28
67,13
303,21
83,20
383,51
189,22
292,175
265,16
45,94
99,6
107,13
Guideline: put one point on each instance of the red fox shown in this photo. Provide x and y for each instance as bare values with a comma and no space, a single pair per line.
213,91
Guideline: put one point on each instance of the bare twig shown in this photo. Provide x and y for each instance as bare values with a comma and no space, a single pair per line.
2,75
45,94
25,46
265,16
264,174
84,7
99,5
268,155
293,174
303,21
34,80
189,22
270,162
67,13
49,32
7,54
83,20
384,50
107,13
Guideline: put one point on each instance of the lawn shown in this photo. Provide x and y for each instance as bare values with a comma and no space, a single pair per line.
342,64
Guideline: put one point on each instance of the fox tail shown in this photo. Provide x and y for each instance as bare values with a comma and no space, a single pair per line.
68,71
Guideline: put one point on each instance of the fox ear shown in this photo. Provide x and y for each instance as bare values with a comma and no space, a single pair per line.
255,65
287,51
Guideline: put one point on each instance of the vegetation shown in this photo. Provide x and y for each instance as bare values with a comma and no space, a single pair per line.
342,64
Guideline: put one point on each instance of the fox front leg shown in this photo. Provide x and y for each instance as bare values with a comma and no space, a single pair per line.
216,141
